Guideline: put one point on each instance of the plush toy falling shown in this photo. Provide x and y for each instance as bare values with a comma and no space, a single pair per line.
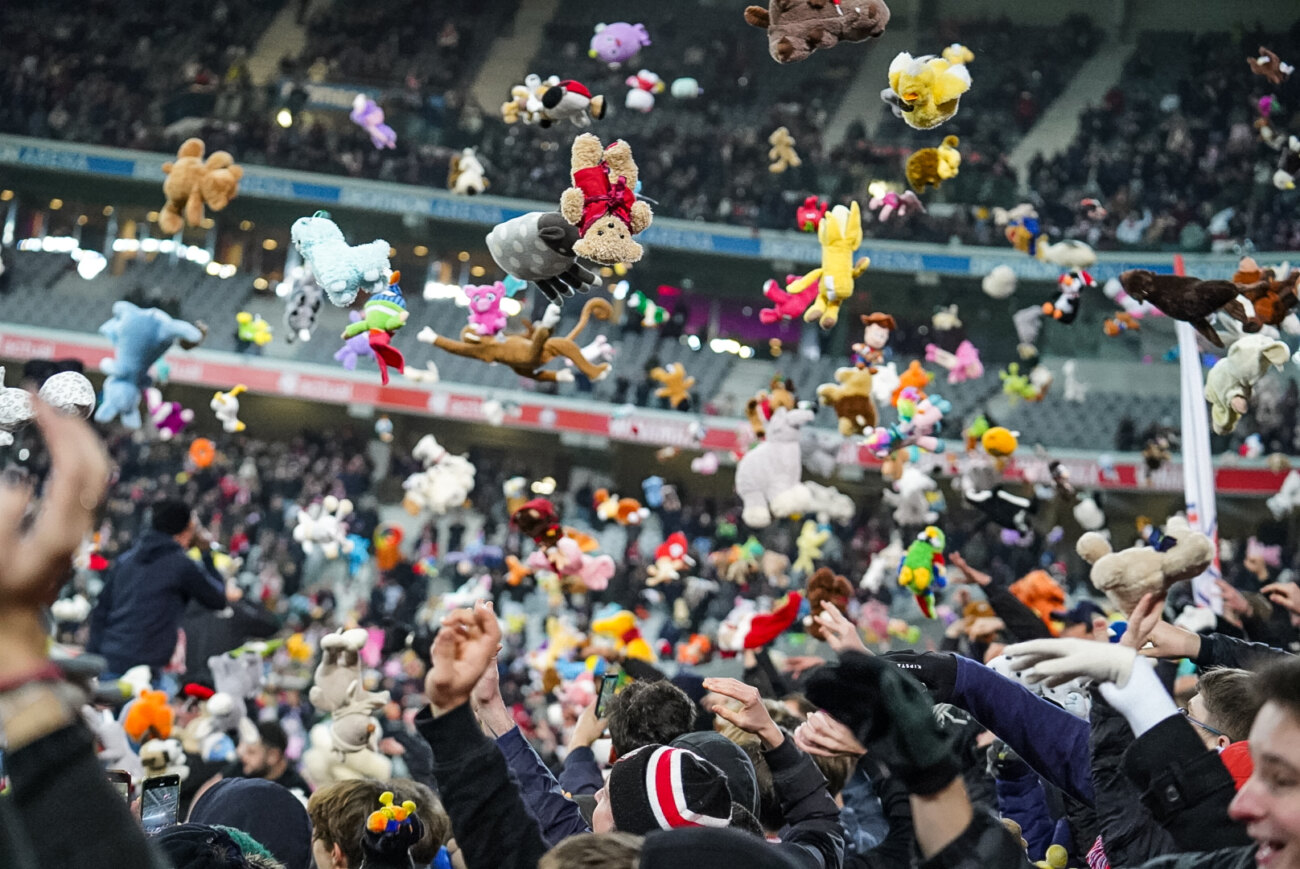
169,418
342,271
617,43
226,406
759,409
302,307
538,247
570,101
930,167
825,586
809,544
1186,298
485,314
891,204
444,484
356,348
382,315
602,202
643,87
963,363
612,508
782,153
1066,307
193,182
840,234
797,28
785,304
652,314
876,329
850,397
367,115
923,570
465,174
809,215
1270,66
925,91
140,337
1229,384
253,330
768,477
676,384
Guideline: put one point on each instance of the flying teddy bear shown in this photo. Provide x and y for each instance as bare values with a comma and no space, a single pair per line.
925,91
797,28
465,174
782,153
191,182
826,585
1126,575
1229,383
602,202
140,337
1187,298
930,167
538,247
850,397
676,384
840,235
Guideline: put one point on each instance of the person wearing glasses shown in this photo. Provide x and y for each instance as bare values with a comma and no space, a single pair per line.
1221,712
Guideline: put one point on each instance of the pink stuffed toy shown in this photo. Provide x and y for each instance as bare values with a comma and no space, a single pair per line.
890,203
788,306
962,364
566,559
485,314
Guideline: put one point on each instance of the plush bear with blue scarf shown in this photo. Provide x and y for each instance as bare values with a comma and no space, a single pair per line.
342,270
140,337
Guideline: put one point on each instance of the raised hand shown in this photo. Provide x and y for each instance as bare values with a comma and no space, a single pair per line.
822,734
841,634
462,651
1057,661
969,574
1284,594
752,716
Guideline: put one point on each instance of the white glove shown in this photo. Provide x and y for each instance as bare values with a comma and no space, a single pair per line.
1143,702
1054,662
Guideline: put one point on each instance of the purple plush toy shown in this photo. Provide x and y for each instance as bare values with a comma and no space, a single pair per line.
355,347
618,42
367,115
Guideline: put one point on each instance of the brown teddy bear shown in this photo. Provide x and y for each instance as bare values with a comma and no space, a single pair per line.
191,182
1188,299
1272,299
797,28
930,167
761,407
850,397
782,153
826,585
1126,575
602,202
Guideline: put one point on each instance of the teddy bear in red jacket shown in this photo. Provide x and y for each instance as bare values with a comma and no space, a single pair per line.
602,202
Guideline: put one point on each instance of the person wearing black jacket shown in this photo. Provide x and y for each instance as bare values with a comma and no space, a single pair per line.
139,610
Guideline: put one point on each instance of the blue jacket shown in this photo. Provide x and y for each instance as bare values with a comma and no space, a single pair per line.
137,614
557,816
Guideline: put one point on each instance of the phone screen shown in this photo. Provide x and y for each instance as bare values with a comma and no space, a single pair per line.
120,779
160,802
608,688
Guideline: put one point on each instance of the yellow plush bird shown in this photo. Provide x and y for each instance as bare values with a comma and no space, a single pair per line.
811,539
925,91
676,385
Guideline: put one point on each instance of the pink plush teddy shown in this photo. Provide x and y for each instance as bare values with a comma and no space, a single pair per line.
788,306
485,314
962,364
891,202
566,559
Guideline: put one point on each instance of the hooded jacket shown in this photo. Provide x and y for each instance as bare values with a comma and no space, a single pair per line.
137,614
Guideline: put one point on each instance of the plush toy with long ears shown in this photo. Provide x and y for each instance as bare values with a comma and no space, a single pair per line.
812,537
193,182
840,234
538,247
797,28
341,270
963,363
226,406
809,215
367,115
785,304
140,337
355,348
253,329
676,386
602,202
923,569
925,91
1229,384
169,418
382,315
485,314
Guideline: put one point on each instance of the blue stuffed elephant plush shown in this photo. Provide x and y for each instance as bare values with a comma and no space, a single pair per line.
140,337
341,270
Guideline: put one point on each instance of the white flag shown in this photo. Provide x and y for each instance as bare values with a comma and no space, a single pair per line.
1198,468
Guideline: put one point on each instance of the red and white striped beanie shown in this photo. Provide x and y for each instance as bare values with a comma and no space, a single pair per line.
661,788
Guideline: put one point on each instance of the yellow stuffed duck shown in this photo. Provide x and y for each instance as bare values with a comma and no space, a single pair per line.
925,91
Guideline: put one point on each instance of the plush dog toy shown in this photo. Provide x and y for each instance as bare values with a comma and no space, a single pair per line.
140,337
1186,298
602,202
840,234
759,409
1270,66
341,270
465,174
850,397
193,182
930,167
1272,299
1126,575
1229,383
782,153
538,247
797,28
676,384
768,476
226,406
367,115
925,91
302,307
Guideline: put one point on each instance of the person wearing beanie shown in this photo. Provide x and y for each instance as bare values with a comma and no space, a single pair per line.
742,780
200,846
390,833
268,812
658,787
136,618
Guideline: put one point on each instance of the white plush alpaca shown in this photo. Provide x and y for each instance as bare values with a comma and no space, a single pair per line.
768,476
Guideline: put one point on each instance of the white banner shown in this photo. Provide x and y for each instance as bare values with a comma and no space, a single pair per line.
1198,469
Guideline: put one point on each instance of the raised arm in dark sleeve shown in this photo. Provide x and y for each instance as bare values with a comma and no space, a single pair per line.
1219,650
812,836
1131,835
1022,622
557,815
203,583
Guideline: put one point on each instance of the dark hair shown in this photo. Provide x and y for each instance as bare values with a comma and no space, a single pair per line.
649,713
171,516
594,851
273,735
1230,701
1279,683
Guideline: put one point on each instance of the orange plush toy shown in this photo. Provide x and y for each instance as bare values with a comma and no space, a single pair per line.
148,717
612,508
192,182
914,375
1042,594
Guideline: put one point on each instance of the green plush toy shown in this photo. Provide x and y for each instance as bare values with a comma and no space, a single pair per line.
922,569
382,315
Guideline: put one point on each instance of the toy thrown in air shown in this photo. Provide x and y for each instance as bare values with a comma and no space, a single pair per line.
572,101
169,418
923,570
193,182
1272,297
782,153
919,419
561,550
962,364
355,348
341,270
538,247
1126,575
902,205
850,397
643,87
930,167
611,508
876,329
1229,384
785,304
840,234
1066,307
1188,299
759,409
382,315
367,115
602,202
618,42
140,337
302,307
797,28
346,745
809,215
226,407
768,477
465,174
809,545
926,91
1270,66
485,314
825,586
745,627
68,391
444,484
252,329
526,353
320,528
676,386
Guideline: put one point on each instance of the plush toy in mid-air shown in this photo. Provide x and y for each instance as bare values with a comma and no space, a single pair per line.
253,329
746,627
809,215
676,386
193,182
1069,253
759,409
785,304
226,406
602,202
356,348
342,271
797,28
825,586
1273,298
913,376
367,115
850,397
643,87
140,337
445,482
876,329
999,441
685,88
382,315
1066,307
321,528
169,418
1270,66
840,234
1126,575
618,42
1229,384
302,307
962,364
923,570
768,476
782,153
925,91
485,314
809,545
612,508
889,203
930,167
572,101
538,247
465,174
1186,298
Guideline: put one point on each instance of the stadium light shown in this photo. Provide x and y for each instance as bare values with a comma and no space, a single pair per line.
284,118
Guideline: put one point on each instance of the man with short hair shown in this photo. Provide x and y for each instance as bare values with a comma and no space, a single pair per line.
266,758
139,610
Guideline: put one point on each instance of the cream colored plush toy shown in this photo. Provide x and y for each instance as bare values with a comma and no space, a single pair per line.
1126,575
1229,384
782,153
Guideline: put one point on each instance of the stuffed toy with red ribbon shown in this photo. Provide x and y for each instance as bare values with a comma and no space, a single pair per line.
602,202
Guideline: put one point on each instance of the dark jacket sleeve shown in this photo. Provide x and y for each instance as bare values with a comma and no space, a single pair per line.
1227,858
812,836
1022,622
99,616
862,814
1219,650
1185,786
557,815
895,851
1130,833
765,677
1022,799
203,583
1052,741
488,818
581,773
985,844
59,777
